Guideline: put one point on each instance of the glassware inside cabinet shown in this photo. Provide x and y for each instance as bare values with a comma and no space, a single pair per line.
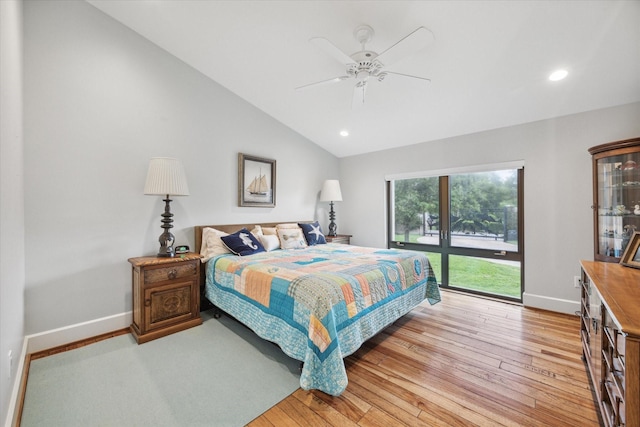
618,202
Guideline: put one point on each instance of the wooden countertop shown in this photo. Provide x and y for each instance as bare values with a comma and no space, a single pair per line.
619,287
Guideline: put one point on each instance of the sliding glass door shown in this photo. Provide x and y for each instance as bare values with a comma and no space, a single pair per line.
469,223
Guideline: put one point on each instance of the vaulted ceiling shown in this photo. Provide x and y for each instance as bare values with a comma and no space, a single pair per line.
489,61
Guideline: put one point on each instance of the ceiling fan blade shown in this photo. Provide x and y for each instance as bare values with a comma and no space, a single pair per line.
408,45
332,50
359,91
404,75
323,82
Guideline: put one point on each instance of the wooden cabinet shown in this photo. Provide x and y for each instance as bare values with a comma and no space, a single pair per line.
616,197
166,295
610,333
340,238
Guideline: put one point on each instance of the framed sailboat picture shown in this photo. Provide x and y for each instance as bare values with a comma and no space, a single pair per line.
256,181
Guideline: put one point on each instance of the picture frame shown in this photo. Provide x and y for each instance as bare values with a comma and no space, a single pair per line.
256,181
631,255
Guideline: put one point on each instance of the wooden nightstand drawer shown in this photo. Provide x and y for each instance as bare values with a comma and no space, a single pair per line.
178,271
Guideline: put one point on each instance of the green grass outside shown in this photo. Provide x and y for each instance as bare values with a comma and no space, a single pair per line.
484,275
477,273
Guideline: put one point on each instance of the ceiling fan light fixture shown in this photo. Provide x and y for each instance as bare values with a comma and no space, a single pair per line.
362,75
558,75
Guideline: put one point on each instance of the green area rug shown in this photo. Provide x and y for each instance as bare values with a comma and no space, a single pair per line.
216,374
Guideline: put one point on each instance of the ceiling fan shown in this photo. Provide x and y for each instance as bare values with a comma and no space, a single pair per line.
365,65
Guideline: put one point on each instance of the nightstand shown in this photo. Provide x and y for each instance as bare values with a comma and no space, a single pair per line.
340,238
166,295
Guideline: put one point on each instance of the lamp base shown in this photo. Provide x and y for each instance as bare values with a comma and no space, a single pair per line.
332,225
166,239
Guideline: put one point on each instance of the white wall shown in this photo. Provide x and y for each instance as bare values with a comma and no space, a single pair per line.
12,275
558,190
99,102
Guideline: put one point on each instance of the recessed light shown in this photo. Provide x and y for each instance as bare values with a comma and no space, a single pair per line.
558,75
344,133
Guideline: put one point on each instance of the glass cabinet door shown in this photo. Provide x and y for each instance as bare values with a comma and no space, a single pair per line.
617,204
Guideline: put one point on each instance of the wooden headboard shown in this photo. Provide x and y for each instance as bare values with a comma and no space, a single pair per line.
227,228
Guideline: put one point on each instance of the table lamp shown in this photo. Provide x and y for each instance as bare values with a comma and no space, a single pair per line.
331,193
166,178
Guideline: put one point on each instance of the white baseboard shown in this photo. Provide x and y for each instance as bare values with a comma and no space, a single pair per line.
11,420
68,334
57,337
551,304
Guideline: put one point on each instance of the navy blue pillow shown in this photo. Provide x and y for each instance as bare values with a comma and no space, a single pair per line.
242,243
313,233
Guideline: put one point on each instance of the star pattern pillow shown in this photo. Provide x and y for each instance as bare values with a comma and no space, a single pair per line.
313,233
242,243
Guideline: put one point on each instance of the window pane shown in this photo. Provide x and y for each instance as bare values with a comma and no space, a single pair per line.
484,211
416,208
491,276
468,222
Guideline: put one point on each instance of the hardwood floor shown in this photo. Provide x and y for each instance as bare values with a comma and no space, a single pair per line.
466,361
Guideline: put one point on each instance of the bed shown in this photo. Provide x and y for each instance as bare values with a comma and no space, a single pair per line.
319,303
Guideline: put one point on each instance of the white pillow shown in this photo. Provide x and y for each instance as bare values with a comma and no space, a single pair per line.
269,231
288,225
257,231
211,243
270,242
291,238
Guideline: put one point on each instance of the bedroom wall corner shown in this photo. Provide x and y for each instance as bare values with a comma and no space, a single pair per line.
12,270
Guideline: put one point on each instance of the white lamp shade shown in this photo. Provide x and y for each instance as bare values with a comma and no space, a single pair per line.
166,176
331,191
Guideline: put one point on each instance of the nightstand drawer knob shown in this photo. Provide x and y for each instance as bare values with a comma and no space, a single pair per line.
173,273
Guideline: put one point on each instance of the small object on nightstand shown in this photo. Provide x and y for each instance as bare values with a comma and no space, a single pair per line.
182,249
339,238
166,295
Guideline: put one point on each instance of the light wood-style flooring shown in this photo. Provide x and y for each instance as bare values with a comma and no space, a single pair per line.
466,361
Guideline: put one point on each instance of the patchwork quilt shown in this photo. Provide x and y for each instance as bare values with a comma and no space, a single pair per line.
320,303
